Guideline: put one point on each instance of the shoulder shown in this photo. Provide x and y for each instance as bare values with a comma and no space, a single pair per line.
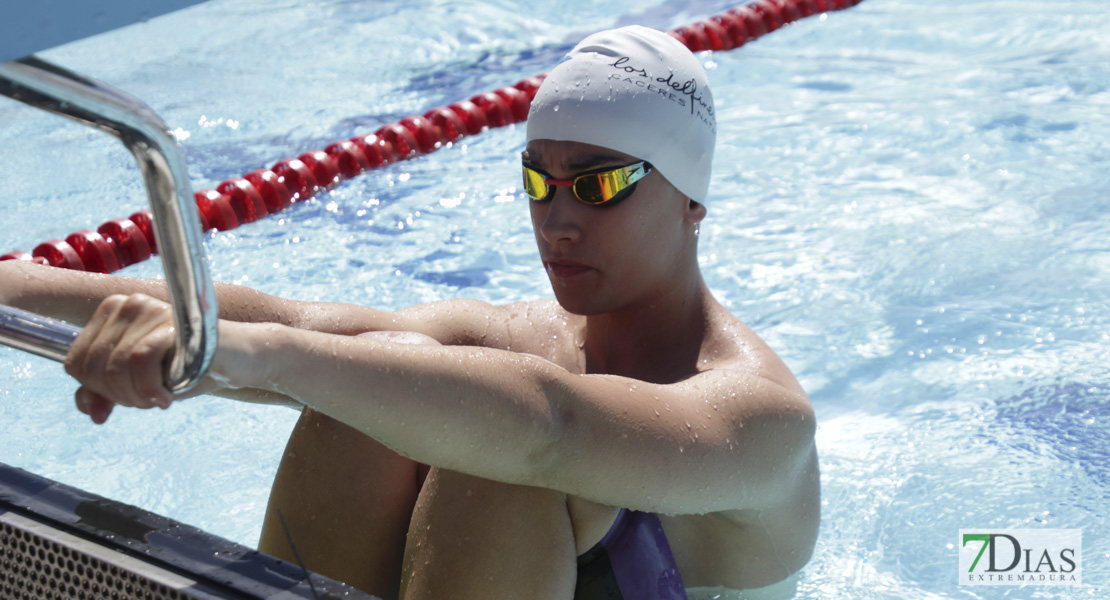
732,345
771,533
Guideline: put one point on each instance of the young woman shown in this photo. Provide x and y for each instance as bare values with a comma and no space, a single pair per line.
629,439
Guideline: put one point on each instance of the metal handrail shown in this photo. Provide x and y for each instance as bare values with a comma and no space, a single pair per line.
176,222
46,337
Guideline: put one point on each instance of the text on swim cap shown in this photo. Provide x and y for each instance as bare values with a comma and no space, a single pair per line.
698,106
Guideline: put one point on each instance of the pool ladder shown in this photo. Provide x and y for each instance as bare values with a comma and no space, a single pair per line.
177,226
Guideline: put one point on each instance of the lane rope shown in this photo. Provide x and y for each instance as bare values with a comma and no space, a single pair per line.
122,242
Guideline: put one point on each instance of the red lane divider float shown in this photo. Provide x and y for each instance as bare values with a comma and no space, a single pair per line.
122,242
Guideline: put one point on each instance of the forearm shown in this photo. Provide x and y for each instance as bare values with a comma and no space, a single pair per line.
64,294
462,408
256,396
73,296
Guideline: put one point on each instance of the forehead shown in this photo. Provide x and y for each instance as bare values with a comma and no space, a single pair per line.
572,156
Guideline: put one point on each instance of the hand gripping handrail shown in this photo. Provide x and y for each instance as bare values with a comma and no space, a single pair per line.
176,222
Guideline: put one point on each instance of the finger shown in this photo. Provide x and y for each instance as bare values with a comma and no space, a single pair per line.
147,367
135,365
100,343
119,354
94,405
80,359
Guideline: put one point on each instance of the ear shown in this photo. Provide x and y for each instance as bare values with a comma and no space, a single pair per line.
695,211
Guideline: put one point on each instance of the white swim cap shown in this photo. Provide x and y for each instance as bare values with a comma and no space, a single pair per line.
637,91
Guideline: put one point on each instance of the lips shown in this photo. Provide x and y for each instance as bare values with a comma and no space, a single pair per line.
566,269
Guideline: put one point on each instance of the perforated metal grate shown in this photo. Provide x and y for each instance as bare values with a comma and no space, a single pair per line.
60,542
40,562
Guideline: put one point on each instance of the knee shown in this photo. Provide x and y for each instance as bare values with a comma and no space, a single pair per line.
454,505
320,442
316,428
401,337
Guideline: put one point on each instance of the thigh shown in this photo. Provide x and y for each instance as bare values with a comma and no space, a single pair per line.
475,538
346,500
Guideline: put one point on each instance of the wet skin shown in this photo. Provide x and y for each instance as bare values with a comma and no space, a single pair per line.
635,389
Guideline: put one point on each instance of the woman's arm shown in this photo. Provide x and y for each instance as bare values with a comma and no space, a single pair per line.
723,439
74,296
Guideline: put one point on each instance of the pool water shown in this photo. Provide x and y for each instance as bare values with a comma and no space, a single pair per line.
909,203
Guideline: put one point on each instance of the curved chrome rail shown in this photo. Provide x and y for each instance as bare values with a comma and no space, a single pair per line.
36,334
177,225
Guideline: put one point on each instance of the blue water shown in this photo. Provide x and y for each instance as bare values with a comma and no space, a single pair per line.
909,203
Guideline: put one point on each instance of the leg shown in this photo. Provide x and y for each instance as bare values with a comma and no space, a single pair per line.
472,538
347,500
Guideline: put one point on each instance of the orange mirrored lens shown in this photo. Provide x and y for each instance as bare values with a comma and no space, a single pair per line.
603,187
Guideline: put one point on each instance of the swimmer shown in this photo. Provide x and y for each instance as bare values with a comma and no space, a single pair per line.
629,439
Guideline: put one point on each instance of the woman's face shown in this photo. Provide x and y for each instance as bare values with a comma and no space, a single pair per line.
602,259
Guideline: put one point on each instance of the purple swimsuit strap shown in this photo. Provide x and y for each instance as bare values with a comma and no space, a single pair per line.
633,561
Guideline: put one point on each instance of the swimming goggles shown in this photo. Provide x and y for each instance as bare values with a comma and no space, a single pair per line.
601,187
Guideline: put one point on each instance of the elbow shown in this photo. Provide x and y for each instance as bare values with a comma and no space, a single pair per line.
787,458
801,441
807,428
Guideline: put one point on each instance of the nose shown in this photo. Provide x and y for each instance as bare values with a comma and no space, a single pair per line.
559,219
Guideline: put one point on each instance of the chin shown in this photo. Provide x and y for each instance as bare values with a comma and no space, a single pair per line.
576,304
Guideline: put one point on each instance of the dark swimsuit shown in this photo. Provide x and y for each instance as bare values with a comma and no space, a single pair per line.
632,562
